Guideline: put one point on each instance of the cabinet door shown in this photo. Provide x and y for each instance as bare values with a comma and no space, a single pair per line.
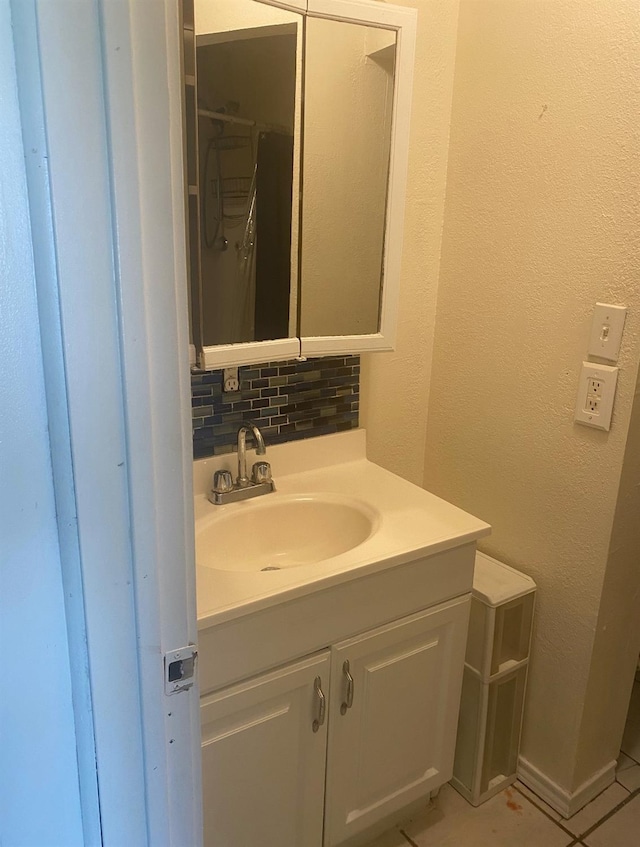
392,736
263,765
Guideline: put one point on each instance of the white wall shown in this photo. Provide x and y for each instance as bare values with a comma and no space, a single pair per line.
542,220
395,386
39,800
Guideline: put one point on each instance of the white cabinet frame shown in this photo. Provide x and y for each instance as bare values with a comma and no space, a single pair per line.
404,22
386,740
249,353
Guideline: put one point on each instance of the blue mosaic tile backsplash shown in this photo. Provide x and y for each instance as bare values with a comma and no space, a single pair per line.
288,401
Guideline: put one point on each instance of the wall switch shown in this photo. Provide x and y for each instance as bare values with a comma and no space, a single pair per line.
596,392
606,331
230,379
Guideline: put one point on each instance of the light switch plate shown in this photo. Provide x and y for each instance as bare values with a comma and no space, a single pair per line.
606,331
596,392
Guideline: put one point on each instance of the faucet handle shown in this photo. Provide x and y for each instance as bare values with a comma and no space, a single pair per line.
222,482
261,472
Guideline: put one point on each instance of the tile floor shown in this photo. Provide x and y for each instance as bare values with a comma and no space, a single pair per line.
517,818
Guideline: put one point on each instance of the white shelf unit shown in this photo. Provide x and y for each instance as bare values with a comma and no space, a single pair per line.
495,677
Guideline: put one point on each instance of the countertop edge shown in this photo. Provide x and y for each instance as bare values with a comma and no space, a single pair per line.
257,604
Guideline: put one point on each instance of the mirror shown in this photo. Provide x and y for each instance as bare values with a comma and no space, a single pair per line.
247,62
347,140
295,209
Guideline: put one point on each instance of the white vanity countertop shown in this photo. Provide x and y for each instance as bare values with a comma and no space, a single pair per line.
412,523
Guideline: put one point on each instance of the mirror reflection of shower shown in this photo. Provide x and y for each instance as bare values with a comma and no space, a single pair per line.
246,128
224,198
228,210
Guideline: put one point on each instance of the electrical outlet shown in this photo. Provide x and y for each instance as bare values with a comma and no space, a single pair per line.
593,404
596,392
230,379
594,387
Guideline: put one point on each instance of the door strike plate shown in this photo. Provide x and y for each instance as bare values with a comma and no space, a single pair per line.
180,669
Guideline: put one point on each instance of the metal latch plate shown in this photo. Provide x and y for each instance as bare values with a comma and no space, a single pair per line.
180,669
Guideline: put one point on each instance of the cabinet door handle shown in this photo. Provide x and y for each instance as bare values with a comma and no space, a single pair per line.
322,704
348,701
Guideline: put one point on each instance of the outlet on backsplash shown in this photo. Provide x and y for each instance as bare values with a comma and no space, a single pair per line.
288,400
230,379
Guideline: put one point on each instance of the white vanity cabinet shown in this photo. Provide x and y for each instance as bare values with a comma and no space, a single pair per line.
383,626
393,717
384,736
263,765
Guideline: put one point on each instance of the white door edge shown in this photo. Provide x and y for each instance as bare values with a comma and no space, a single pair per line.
109,92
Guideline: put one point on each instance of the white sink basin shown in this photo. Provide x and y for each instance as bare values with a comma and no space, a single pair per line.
274,532
335,517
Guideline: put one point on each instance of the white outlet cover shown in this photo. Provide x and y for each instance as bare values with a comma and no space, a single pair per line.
607,378
230,379
606,331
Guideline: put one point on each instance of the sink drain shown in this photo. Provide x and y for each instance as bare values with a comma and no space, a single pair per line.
271,568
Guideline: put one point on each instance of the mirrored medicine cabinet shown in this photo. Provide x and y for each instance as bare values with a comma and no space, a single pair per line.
296,142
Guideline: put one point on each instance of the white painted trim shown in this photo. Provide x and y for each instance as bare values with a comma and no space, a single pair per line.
404,22
142,52
333,345
563,801
111,103
362,11
290,5
226,355
405,60
469,796
72,100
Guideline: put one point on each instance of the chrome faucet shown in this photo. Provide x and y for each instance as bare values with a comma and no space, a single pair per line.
243,480
225,490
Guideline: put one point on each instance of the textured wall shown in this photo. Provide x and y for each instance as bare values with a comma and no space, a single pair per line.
541,221
617,639
395,386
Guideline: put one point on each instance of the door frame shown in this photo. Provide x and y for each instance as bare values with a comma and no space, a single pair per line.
99,90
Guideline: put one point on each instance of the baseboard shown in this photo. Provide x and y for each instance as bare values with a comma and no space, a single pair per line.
563,801
500,785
